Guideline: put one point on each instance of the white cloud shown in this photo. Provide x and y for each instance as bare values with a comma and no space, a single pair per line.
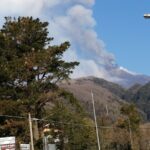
21,7
89,68
81,15
126,70
86,2
52,3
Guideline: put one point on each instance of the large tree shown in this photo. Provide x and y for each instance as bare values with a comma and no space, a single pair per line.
30,66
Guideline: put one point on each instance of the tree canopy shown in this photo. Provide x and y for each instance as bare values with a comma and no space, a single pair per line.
29,64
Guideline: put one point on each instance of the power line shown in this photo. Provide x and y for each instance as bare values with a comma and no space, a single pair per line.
52,121
17,117
67,123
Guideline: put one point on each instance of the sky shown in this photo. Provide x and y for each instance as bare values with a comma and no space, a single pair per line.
106,36
125,32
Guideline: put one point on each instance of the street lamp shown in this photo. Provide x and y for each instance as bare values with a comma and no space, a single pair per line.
147,16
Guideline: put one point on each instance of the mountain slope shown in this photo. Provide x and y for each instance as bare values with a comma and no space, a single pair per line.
141,97
127,78
106,102
109,97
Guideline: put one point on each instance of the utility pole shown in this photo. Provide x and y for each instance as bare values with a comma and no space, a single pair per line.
31,132
45,143
107,112
95,118
130,132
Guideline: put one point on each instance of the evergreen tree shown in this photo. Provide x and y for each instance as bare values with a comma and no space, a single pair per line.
30,66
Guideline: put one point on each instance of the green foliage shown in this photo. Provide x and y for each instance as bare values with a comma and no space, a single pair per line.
29,65
74,126
130,118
